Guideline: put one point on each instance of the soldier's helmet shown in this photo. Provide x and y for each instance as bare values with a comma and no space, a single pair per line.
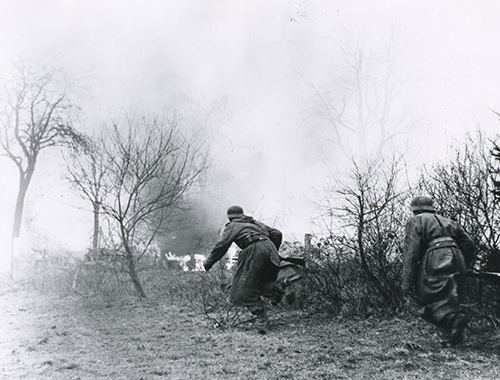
422,203
234,212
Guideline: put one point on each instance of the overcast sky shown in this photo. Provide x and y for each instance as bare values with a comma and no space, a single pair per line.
246,71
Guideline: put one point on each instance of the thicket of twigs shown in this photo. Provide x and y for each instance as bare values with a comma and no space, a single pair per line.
355,269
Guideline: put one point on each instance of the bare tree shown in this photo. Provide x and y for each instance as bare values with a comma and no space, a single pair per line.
462,189
86,171
370,206
359,104
35,115
150,166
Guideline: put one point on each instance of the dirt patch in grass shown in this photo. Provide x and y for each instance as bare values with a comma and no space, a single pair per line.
71,338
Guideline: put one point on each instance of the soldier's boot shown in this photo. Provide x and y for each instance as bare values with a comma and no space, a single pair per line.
290,297
274,291
443,329
457,334
452,329
444,336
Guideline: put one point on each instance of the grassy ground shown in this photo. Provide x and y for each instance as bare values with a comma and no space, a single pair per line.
70,338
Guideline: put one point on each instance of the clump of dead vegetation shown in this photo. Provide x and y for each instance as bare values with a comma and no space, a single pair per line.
353,271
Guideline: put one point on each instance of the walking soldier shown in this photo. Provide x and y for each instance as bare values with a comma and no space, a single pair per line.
436,249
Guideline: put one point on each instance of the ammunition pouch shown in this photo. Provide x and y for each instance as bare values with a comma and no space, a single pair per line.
456,256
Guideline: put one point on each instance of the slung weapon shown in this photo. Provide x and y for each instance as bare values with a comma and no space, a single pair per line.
493,276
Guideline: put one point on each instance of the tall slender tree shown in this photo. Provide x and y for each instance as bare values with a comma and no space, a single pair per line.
358,104
35,114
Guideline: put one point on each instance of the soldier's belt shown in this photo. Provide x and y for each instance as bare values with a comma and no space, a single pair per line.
442,242
255,239
245,241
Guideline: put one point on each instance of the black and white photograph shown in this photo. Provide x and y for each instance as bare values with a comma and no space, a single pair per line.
230,189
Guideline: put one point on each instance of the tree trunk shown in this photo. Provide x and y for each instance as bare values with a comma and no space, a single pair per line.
95,236
24,181
359,239
307,245
362,254
18,213
133,272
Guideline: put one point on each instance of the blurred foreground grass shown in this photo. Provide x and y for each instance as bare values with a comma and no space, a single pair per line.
46,336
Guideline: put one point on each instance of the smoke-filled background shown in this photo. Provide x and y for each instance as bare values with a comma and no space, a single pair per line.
269,86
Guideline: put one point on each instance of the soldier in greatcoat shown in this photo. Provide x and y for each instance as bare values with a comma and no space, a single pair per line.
258,261
436,250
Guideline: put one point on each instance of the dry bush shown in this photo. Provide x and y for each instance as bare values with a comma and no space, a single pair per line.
217,307
221,313
46,274
463,190
481,302
358,270
175,286
328,279
336,283
100,279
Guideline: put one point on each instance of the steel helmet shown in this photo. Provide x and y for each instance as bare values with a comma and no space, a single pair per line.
234,212
422,203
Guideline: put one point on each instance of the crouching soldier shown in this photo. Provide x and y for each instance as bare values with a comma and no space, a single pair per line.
436,249
258,261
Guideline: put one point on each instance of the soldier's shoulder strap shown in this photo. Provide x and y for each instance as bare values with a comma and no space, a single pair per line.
260,226
439,221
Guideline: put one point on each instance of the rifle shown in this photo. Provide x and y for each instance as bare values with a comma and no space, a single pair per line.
492,276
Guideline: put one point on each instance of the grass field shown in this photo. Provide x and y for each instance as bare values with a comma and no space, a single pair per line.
47,337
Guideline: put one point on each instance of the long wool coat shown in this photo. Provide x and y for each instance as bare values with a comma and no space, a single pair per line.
429,264
258,261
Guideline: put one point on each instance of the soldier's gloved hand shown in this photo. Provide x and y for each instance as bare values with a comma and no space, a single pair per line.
206,266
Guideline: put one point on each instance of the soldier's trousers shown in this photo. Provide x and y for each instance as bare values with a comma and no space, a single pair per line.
255,276
436,288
